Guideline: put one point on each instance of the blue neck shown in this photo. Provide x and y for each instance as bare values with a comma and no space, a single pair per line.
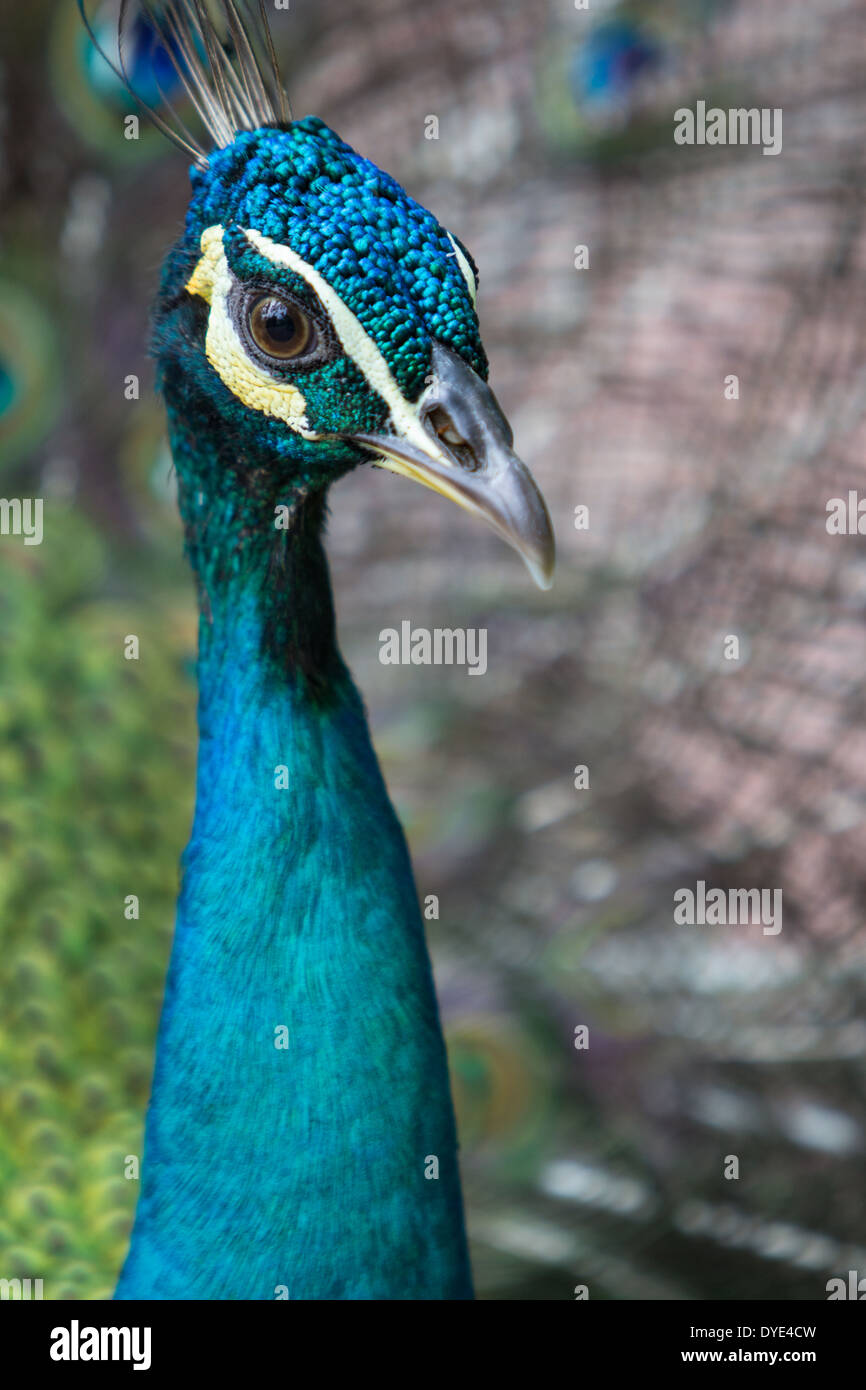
301,1105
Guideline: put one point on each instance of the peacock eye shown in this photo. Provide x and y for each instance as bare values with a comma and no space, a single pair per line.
280,328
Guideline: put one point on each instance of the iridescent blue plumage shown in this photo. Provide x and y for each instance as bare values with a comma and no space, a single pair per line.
385,255
615,55
300,1139
299,1170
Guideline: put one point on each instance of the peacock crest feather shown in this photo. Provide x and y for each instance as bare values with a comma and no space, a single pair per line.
222,56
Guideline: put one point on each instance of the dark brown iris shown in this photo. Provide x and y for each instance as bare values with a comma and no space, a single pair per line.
279,328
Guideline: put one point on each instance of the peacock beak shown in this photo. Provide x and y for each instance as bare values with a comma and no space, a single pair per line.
458,442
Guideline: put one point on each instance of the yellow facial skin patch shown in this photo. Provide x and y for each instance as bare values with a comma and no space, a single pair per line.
212,281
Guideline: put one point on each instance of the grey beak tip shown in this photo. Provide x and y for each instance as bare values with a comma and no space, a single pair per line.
542,570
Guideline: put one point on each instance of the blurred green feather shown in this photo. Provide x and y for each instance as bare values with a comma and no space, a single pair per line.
97,775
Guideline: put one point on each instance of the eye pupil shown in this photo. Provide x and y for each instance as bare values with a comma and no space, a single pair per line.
280,329
279,323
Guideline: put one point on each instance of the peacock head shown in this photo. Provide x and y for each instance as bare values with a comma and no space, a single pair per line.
313,316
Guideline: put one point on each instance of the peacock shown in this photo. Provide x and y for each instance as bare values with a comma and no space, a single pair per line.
300,1138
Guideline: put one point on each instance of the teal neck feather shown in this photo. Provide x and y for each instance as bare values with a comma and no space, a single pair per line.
302,1170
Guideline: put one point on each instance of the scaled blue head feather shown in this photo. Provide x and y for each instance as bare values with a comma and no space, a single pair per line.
388,258
313,315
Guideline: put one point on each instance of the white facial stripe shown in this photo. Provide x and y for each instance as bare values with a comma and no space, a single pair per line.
465,268
357,344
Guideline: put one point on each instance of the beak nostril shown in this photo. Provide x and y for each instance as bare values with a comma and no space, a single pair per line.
443,426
